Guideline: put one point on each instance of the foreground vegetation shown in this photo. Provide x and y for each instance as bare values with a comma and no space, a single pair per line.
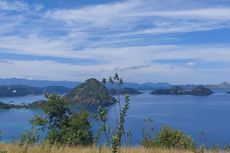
44,148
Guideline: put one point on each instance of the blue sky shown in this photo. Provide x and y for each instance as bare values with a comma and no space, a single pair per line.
176,41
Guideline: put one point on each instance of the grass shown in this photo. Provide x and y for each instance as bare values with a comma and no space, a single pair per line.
14,148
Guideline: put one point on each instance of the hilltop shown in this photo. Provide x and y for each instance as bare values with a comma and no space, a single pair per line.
91,92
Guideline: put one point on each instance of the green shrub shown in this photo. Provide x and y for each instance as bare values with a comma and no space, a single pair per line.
173,138
170,138
30,137
147,133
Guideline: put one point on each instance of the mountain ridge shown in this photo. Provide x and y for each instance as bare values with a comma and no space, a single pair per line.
139,86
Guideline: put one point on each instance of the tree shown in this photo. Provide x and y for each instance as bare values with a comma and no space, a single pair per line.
63,126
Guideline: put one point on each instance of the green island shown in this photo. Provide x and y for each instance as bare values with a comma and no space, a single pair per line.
177,90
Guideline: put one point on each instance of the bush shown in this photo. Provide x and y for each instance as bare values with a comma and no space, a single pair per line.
173,138
170,138
29,137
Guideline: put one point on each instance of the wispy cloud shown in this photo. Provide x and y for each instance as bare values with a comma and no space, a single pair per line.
127,36
6,62
5,5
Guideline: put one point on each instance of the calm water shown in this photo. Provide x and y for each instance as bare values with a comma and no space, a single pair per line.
191,114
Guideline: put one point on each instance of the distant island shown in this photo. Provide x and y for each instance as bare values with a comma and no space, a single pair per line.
223,85
35,105
177,90
90,92
134,85
22,90
130,91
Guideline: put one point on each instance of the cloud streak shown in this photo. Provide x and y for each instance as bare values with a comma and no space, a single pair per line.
126,36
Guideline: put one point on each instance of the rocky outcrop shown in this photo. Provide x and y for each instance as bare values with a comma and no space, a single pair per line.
90,92
201,91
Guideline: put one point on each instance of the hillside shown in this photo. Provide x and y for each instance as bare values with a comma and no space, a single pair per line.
90,92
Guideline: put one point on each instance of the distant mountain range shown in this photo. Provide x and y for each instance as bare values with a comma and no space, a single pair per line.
38,83
22,90
139,86
223,85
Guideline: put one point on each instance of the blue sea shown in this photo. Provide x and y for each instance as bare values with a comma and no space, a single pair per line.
193,115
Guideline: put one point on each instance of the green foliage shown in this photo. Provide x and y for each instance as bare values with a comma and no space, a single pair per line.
57,111
173,138
227,148
102,117
39,122
64,127
30,137
147,133
170,138
115,136
0,135
215,148
120,130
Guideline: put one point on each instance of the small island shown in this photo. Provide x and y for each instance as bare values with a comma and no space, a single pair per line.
34,105
177,90
90,92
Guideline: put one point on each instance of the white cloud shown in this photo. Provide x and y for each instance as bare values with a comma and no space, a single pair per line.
191,64
5,5
156,72
108,34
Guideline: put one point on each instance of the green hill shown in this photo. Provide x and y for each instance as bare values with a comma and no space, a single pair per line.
90,92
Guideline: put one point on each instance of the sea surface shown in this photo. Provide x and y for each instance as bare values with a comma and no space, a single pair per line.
209,115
